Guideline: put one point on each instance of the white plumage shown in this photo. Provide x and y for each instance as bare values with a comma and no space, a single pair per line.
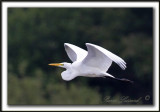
75,53
93,63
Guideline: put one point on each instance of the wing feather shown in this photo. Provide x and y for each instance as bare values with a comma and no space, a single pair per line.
75,53
101,58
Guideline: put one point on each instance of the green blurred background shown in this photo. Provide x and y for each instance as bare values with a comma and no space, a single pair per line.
36,37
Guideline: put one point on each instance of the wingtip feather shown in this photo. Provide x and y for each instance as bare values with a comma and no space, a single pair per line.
66,43
88,44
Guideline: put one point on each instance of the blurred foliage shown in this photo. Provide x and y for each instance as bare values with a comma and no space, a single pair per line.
36,37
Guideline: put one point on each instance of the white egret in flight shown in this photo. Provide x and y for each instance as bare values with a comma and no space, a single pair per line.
93,63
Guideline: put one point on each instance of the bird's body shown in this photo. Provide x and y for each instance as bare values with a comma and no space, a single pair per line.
79,69
93,63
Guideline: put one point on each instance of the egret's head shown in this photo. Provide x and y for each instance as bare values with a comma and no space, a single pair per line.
63,65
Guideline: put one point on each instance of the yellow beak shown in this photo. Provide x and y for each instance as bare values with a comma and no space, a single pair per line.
55,64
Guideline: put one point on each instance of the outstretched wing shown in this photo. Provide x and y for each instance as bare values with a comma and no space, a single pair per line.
75,53
101,58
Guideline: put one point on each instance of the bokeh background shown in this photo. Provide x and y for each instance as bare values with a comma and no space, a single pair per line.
36,37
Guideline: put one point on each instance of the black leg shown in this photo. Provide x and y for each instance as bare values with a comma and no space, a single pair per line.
121,79
124,80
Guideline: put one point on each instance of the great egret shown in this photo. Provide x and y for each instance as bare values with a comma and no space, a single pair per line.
93,63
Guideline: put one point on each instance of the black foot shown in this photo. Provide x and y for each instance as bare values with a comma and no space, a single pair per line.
125,80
